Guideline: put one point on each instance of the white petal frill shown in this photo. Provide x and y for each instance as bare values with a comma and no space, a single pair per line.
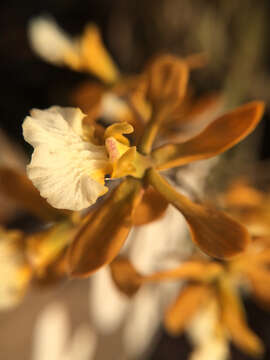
64,167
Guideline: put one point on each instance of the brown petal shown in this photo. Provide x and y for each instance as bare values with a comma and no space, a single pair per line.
181,311
125,276
18,188
216,233
101,237
219,136
151,207
233,317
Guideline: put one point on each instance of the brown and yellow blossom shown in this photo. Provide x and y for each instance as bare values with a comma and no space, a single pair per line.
209,306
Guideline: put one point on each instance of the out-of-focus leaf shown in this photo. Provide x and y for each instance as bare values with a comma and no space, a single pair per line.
219,136
216,233
151,207
100,239
181,311
233,317
18,188
125,276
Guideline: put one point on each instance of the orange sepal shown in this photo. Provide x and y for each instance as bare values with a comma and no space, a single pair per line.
219,136
216,233
101,237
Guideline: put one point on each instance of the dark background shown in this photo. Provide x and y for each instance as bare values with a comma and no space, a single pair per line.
235,35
